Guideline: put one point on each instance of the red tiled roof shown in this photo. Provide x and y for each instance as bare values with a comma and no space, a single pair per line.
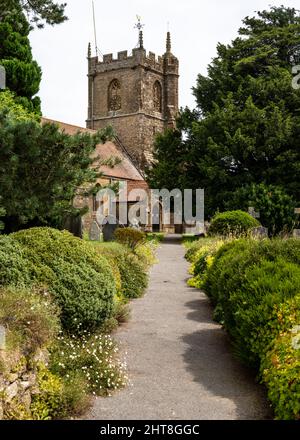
123,170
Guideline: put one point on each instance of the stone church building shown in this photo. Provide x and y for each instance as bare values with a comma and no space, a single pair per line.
136,94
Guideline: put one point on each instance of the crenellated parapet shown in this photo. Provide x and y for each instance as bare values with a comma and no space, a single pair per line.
138,57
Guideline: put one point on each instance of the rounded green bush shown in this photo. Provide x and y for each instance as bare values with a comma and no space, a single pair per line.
133,275
130,237
134,278
195,247
14,268
84,295
281,373
253,321
49,244
236,223
254,285
80,279
234,257
247,280
213,286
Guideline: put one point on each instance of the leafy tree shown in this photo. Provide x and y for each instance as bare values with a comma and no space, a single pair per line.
169,154
39,11
246,127
41,171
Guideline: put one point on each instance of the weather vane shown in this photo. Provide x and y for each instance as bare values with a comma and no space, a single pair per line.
140,26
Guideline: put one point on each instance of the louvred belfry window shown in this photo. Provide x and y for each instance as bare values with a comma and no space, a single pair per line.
114,96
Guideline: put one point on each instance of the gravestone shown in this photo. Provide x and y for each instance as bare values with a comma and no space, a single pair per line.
74,225
110,224
253,213
95,232
260,232
296,233
196,228
206,227
2,337
134,224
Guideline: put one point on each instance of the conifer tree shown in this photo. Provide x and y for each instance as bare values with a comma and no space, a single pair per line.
17,17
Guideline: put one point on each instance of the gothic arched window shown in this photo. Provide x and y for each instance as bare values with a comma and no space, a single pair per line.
157,96
114,95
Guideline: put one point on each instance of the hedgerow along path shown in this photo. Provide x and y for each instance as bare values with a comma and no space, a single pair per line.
180,362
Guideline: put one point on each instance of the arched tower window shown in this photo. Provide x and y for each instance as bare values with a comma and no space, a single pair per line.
157,96
114,96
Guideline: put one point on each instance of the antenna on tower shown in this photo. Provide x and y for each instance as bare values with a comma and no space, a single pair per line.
95,31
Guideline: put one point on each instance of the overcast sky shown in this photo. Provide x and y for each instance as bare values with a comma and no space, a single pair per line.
196,27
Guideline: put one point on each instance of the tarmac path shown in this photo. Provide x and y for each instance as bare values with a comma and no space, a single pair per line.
180,361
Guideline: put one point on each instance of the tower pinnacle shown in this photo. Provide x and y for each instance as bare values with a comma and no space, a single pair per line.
141,40
140,26
168,42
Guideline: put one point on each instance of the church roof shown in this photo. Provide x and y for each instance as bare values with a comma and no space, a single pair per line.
125,170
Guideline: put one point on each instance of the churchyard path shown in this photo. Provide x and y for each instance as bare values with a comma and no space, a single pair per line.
180,362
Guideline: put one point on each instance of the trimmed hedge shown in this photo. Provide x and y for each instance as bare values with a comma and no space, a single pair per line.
255,286
233,259
46,245
133,275
130,237
280,371
201,255
84,295
146,254
196,246
88,287
81,280
133,271
235,223
250,311
14,268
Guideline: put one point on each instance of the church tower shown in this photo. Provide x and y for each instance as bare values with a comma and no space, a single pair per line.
136,94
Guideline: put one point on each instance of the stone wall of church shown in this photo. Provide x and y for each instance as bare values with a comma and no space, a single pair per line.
148,80
129,82
137,133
